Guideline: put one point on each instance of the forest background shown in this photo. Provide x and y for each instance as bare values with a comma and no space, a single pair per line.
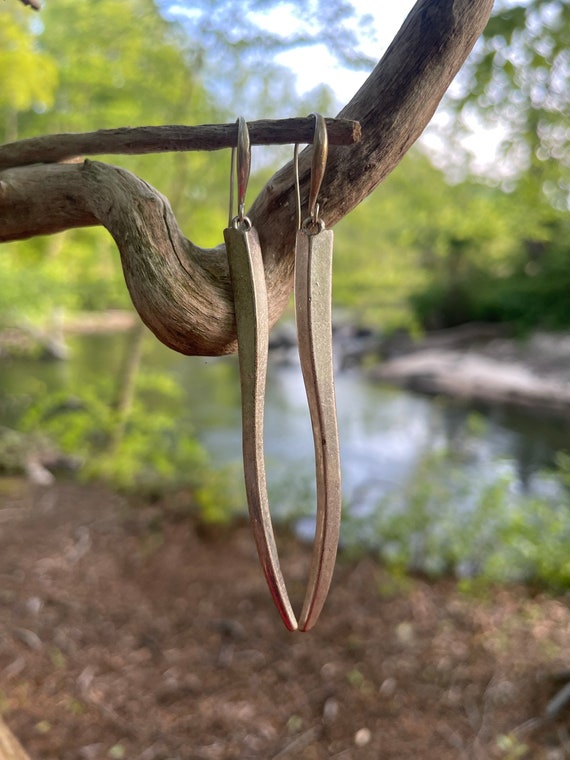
440,243
436,246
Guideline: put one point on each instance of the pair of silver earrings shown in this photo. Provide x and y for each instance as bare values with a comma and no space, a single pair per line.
313,276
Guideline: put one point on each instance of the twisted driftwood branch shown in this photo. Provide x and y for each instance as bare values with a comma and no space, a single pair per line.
182,292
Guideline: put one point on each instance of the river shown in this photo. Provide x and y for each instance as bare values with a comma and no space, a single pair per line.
394,444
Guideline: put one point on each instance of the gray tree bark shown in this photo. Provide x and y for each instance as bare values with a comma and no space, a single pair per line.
182,292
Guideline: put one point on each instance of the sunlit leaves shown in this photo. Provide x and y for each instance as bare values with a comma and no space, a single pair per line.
496,535
417,230
28,75
119,64
109,65
519,77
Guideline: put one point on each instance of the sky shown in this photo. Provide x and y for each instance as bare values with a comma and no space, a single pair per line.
314,66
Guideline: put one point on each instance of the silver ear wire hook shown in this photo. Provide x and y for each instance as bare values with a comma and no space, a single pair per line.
243,164
297,187
232,171
318,165
242,172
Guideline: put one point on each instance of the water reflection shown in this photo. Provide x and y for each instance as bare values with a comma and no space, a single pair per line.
384,433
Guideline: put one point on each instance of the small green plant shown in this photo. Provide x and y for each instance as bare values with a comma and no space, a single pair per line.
510,747
149,451
445,522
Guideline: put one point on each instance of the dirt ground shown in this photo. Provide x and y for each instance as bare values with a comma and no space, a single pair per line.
133,633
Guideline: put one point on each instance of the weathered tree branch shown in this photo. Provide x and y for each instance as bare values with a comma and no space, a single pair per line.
182,292
137,140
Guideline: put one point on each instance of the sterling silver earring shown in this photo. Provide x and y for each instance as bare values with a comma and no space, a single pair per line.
250,301
313,290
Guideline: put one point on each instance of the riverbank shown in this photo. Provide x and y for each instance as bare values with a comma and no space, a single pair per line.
49,340
473,364
123,634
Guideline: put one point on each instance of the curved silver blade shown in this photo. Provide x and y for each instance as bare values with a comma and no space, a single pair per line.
313,273
250,299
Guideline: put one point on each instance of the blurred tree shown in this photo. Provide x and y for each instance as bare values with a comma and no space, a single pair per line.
422,240
28,75
518,80
124,64
238,43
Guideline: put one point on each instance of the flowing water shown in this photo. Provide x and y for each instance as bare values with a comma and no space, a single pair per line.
388,436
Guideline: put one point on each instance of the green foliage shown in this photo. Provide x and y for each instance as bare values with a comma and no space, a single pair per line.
527,287
155,453
563,467
75,270
421,252
124,64
377,260
498,536
518,77
28,76
121,61
218,495
529,298
418,253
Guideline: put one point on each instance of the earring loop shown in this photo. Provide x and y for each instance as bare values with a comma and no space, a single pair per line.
318,165
241,172
297,187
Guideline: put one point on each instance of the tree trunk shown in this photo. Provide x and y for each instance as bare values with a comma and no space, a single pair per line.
10,747
182,292
126,383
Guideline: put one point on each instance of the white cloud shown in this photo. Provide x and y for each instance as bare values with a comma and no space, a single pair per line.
315,66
